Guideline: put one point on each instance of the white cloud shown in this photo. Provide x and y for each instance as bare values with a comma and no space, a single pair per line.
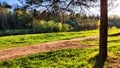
116,9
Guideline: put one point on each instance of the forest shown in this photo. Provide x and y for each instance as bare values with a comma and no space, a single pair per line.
23,21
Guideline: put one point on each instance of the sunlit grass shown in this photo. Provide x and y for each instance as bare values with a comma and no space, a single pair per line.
90,42
67,58
29,39
70,58
113,31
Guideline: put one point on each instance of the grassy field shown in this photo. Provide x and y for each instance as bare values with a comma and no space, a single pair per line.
29,39
71,58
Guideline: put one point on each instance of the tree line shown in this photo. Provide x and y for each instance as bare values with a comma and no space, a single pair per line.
34,21
48,21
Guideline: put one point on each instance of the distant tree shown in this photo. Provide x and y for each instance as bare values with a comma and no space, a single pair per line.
4,13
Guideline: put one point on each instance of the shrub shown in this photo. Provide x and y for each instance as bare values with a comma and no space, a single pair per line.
67,27
59,26
50,26
39,26
15,32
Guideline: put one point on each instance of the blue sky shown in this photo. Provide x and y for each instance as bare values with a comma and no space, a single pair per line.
115,10
11,2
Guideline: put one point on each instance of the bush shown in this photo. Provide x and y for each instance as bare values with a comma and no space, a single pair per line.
15,32
40,27
50,26
59,26
67,27
112,24
46,26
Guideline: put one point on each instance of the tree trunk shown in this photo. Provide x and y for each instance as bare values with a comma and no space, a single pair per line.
103,29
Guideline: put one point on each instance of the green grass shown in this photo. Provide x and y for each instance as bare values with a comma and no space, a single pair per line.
91,42
69,58
29,39
111,39
66,58
113,31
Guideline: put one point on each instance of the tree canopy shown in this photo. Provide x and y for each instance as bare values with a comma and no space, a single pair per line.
60,5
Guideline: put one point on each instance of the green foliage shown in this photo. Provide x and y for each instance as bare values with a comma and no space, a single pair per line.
50,26
40,26
67,27
114,21
44,22
15,32
59,26
98,23
87,24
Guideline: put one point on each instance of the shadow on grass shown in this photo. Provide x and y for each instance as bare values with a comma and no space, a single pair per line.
116,34
98,63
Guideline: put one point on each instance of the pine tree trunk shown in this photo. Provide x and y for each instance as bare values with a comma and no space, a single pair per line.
103,29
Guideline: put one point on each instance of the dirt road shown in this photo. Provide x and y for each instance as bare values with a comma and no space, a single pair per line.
44,47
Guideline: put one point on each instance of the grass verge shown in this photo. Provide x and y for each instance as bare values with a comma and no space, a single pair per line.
66,58
30,39
70,58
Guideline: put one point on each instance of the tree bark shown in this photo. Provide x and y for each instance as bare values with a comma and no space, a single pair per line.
103,29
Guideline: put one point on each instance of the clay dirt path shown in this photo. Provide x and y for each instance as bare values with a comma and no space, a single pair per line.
44,47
